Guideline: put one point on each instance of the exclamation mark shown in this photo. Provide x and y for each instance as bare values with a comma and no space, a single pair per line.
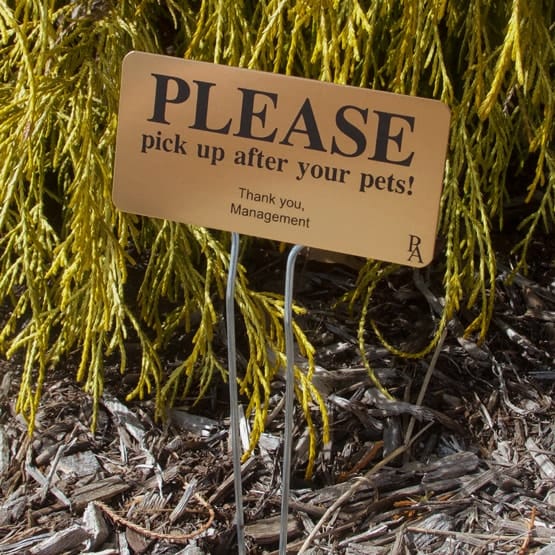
411,181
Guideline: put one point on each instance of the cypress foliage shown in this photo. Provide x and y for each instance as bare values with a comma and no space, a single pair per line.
66,253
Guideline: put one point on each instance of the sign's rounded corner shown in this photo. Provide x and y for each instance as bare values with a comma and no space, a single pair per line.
425,263
130,55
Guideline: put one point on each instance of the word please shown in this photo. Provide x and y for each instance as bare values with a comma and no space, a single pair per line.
258,115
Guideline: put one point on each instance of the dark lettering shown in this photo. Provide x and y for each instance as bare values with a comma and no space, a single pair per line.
310,128
414,248
201,113
248,113
350,131
379,182
384,136
400,187
161,98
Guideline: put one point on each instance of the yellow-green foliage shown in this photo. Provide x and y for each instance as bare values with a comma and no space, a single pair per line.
66,252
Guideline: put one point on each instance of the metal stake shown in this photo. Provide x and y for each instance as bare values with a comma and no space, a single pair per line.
289,396
233,396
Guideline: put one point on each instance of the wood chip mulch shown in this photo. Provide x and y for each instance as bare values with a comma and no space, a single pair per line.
462,461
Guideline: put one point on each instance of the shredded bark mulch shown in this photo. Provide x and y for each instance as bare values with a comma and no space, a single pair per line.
462,461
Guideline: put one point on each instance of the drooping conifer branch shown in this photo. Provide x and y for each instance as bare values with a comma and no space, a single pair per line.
78,277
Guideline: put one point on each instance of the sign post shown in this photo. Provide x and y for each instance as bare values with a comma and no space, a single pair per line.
289,396
295,160
233,396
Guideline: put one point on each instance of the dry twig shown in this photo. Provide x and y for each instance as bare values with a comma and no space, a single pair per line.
352,490
524,547
171,538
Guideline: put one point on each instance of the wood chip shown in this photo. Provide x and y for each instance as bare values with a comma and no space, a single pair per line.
124,417
99,491
18,547
546,466
79,464
191,550
62,541
137,542
95,525
45,484
266,531
451,466
4,451
476,483
374,532
182,505
199,425
14,507
246,469
423,541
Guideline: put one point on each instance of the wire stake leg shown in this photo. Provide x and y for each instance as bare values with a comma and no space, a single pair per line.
234,412
289,396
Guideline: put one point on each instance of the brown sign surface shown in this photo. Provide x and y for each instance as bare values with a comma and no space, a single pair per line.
329,166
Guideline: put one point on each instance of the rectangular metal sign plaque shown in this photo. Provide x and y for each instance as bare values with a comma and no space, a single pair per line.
336,167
